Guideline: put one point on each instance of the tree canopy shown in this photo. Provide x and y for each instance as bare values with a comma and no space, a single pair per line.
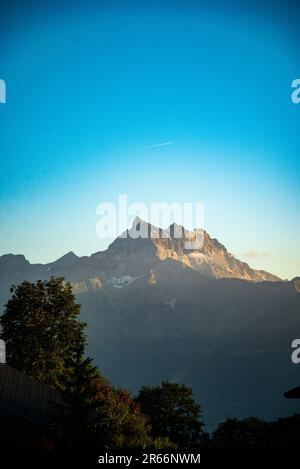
173,413
249,433
42,331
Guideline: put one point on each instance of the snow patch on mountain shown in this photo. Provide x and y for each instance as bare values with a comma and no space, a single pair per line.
123,281
171,303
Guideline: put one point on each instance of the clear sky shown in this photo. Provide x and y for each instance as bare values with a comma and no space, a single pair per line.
93,88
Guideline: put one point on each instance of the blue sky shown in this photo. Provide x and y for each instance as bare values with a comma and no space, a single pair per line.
93,87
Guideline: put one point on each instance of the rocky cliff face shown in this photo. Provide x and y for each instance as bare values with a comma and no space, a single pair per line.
195,249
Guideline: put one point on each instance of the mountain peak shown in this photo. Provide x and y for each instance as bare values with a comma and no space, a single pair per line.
14,260
70,254
195,249
143,229
66,260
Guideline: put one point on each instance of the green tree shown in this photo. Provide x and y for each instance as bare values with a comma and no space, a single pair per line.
250,433
79,408
43,335
122,423
173,413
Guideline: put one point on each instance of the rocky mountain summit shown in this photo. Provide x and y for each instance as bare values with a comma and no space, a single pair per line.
197,250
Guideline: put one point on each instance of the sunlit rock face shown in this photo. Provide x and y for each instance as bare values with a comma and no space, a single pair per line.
195,249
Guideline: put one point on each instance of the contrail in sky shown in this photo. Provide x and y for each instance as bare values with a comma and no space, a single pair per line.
160,144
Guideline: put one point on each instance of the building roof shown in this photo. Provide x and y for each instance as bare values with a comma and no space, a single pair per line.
25,403
293,393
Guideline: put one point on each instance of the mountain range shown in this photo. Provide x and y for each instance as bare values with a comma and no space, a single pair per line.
183,309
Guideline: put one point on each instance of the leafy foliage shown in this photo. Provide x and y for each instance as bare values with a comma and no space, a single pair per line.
125,426
250,433
41,329
172,413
